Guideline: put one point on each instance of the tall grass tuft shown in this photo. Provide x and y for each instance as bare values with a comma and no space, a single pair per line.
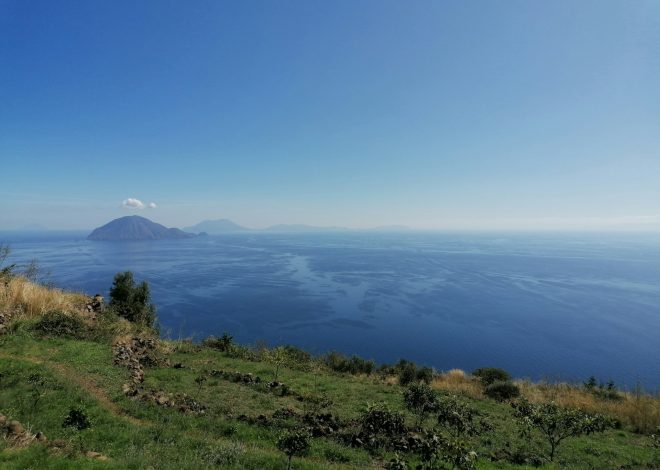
638,410
26,299
457,381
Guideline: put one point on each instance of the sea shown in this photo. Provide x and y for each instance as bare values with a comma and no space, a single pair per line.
542,306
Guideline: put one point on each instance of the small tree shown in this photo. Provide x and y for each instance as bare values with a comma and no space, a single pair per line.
77,421
200,380
277,357
557,423
489,375
5,251
294,443
37,383
590,384
420,400
132,301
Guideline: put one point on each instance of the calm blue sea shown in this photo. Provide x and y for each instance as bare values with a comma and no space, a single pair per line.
554,306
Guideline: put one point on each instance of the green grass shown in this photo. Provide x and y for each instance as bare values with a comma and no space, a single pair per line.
139,434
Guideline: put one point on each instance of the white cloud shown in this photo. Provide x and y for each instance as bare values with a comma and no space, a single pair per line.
152,205
132,203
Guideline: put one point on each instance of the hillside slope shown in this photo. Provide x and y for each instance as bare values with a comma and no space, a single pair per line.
153,403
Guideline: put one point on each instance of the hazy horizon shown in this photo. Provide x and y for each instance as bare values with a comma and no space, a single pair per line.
432,115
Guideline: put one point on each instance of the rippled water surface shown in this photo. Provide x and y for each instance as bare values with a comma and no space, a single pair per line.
560,306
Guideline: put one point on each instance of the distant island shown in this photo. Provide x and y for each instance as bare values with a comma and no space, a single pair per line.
216,226
223,226
134,227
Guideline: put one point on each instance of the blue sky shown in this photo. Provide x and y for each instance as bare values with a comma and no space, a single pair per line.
433,114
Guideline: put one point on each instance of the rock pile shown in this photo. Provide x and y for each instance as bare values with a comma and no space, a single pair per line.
277,388
135,354
180,401
95,304
236,377
322,424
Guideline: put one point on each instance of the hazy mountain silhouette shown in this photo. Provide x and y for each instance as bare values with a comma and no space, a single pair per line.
216,226
302,228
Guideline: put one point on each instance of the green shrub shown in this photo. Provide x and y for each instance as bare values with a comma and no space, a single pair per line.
489,375
606,391
420,400
297,357
131,301
57,323
438,451
222,455
502,391
76,419
294,443
224,343
353,365
380,427
409,372
459,418
556,423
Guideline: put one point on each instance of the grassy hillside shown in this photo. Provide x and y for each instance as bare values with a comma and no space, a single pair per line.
91,390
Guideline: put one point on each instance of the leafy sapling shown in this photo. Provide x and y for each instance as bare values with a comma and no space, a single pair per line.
420,400
77,421
294,444
556,423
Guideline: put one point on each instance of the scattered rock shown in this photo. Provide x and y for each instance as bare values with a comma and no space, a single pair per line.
95,304
58,443
15,428
41,437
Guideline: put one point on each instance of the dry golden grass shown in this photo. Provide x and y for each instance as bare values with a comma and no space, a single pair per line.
22,298
457,381
639,411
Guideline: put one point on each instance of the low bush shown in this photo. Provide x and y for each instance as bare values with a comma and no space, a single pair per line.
409,372
294,443
380,427
224,343
606,391
502,391
490,375
57,323
460,419
353,365
420,400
